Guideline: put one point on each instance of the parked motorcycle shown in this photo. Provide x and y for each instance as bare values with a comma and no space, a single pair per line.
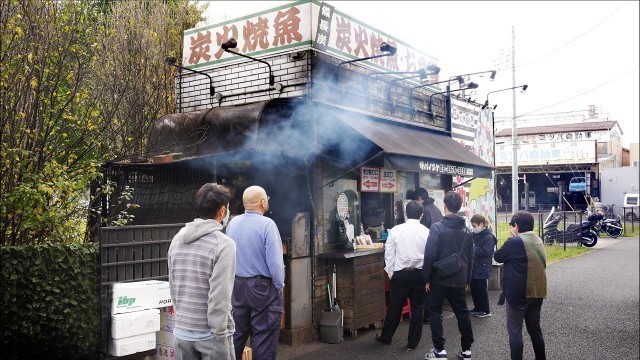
585,232
611,227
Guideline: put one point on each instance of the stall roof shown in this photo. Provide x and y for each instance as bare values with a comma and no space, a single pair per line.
414,148
285,127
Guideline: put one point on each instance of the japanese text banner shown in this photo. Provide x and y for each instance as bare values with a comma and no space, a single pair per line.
275,30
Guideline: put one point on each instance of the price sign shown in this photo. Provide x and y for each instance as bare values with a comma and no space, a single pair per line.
369,179
388,181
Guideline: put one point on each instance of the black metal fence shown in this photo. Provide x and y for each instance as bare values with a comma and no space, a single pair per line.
629,218
127,254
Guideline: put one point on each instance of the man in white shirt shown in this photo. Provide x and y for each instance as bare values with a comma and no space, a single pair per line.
404,256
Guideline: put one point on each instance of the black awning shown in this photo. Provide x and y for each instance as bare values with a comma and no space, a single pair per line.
414,148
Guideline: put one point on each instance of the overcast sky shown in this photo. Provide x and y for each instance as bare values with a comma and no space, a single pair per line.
571,54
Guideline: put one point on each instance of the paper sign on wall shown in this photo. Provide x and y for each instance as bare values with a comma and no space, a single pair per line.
369,179
388,181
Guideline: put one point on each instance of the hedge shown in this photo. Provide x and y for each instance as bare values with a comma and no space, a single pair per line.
49,301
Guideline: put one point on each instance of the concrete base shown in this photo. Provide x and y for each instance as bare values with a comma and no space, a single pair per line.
297,336
495,279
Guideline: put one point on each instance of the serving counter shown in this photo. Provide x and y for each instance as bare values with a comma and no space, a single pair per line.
360,286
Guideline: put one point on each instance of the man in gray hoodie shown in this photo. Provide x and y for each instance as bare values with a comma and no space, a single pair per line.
202,266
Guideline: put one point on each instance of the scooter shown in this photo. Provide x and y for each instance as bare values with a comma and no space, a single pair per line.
584,232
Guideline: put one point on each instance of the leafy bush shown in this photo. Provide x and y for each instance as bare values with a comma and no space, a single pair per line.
50,301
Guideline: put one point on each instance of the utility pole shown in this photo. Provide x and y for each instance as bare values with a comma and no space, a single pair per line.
514,133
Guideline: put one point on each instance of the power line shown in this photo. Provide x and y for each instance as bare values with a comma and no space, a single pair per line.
583,93
572,40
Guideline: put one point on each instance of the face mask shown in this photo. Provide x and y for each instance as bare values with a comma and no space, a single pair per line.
225,221
477,230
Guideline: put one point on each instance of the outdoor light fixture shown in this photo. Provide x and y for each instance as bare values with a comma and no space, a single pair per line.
523,88
232,44
171,60
469,86
388,50
422,73
514,165
459,78
448,99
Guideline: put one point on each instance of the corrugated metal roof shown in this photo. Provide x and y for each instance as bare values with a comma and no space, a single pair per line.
561,128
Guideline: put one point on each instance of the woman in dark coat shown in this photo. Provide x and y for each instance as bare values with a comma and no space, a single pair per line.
484,243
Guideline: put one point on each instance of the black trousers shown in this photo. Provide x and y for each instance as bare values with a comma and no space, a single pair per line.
405,284
480,295
458,300
531,316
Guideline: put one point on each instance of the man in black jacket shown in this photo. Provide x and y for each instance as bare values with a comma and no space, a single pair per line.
448,237
431,213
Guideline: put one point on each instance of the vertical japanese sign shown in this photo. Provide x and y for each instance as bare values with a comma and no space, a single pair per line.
275,30
323,30
369,179
388,181
351,38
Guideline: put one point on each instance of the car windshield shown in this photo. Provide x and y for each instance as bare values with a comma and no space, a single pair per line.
577,180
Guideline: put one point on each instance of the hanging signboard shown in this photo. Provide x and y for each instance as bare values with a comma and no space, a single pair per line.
577,152
298,25
369,179
388,181
276,30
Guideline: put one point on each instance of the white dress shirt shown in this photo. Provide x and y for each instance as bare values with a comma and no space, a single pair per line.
405,246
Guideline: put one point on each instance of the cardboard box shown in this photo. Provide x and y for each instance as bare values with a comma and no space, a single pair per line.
165,338
132,344
167,319
140,295
247,353
135,323
165,352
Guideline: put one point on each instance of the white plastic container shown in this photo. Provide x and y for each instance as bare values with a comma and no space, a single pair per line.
132,344
135,323
140,295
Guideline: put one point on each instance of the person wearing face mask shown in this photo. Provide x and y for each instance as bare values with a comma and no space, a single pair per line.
484,243
202,266
524,285
257,291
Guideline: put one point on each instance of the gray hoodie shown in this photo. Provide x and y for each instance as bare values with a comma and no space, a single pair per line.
202,267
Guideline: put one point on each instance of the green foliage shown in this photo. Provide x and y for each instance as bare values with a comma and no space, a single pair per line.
557,252
631,230
81,82
49,300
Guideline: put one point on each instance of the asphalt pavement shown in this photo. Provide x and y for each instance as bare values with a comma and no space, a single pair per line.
592,312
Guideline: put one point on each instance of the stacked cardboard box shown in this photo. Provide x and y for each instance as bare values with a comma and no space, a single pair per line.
135,315
165,341
247,354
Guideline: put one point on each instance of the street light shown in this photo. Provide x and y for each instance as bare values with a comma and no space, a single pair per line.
459,78
448,99
388,50
514,163
486,103
471,85
171,60
232,44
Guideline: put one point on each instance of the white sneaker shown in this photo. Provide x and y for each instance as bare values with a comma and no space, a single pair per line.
464,354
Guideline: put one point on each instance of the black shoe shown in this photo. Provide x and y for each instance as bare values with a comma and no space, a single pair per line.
381,340
410,348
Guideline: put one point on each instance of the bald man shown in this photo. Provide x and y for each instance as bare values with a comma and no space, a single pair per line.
257,292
